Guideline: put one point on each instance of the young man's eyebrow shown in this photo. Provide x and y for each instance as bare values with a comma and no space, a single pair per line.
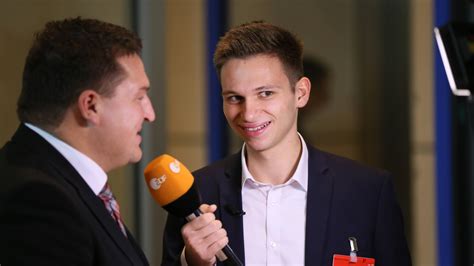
224,93
262,88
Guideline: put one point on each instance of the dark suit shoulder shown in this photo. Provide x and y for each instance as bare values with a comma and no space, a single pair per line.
220,167
15,177
349,169
30,188
40,223
211,179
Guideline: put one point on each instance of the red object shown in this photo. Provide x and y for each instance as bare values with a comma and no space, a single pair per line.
342,260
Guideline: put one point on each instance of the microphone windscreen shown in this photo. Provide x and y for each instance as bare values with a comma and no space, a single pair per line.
171,184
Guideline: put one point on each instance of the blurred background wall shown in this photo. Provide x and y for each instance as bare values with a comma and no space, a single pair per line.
375,58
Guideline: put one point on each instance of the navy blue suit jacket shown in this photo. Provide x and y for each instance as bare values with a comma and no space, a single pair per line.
344,200
50,216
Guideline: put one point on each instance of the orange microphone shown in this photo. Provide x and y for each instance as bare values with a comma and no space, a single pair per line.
172,186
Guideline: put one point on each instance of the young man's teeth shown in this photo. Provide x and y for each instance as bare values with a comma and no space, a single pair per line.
256,128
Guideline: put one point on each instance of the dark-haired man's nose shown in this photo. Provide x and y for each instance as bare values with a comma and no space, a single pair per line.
149,112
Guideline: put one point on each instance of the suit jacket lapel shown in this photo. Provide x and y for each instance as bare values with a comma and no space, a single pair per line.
96,206
230,198
320,189
57,165
137,247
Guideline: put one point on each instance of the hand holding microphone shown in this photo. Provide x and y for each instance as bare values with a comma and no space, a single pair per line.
172,186
204,237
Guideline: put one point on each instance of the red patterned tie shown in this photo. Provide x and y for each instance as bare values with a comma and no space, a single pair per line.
112,206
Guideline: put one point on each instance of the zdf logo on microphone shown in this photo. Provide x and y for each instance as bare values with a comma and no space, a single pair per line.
155,183
175,167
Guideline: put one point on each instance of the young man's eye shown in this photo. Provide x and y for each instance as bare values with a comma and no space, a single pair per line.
233,99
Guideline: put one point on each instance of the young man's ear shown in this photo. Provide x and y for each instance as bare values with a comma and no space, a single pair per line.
87,105
302,90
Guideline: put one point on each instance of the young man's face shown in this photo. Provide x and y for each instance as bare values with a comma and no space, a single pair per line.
259,103
123,114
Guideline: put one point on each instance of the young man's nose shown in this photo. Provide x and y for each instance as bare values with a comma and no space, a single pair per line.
250,110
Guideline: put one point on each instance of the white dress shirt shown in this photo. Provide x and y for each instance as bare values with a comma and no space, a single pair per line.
275,216
89,170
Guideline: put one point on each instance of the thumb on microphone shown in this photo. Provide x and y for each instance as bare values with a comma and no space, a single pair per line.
205,208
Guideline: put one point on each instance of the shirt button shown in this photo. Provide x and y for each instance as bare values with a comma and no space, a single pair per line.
273,244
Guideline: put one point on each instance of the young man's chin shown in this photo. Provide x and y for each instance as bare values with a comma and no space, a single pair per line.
255,146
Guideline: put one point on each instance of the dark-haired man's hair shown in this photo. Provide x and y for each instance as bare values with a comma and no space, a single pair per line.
67,57
257,38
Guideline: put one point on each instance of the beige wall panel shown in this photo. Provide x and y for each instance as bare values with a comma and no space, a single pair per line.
188,152
186,81
424,217
422,135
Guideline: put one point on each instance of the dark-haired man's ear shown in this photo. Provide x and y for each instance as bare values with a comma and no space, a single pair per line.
87,105
302,90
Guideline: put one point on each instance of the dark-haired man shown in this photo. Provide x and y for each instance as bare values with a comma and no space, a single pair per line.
82,105
281,201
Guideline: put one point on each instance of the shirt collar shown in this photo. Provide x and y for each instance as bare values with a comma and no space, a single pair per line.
90,171
300,176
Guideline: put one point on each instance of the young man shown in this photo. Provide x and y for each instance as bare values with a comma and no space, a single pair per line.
82,105
281,201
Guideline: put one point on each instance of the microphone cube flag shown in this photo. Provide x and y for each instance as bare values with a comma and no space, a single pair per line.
172,185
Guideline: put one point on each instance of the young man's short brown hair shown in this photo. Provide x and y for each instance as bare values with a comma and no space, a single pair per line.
259,37
67,57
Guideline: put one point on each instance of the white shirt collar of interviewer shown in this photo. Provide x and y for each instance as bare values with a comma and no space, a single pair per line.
90,171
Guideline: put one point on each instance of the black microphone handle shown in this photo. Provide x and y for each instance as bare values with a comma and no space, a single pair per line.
225,255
